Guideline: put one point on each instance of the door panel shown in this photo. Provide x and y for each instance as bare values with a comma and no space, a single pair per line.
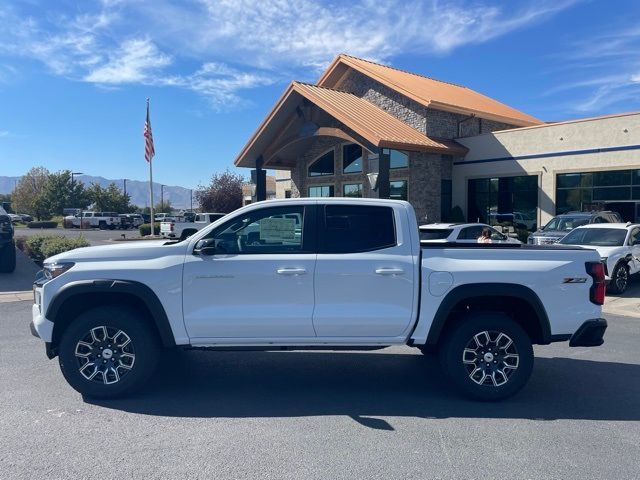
362,293
259,281
248,296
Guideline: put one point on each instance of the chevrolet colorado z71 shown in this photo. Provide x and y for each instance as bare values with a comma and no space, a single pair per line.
316,273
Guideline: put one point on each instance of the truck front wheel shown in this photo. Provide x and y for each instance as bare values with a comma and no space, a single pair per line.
487,356
108,352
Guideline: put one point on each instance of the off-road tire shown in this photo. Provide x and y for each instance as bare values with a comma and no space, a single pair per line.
460,341
144,346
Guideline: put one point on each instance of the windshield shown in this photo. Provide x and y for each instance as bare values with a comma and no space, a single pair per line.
598,237
3,211
566,224
434,233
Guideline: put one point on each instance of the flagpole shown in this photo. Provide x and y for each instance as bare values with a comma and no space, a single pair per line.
151,186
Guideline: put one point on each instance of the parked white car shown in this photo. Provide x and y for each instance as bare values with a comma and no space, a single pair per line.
618,245
101,220
461,233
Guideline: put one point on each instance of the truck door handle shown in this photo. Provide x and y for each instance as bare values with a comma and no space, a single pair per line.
389,271
291,271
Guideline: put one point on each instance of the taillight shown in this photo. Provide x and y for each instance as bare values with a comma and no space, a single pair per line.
597,291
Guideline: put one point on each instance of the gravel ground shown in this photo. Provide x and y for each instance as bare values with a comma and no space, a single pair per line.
351,415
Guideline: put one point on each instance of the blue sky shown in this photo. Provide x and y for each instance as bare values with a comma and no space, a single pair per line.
74,75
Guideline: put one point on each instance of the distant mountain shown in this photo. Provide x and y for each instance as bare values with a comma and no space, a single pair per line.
138,190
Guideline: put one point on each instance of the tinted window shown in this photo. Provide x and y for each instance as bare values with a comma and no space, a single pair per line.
321,191
352,190
351,158
471,233
397,159
264,231
356,228
322,166
434,233
566,223
398,190
602,237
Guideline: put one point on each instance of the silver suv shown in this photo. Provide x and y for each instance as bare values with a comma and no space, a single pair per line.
560,225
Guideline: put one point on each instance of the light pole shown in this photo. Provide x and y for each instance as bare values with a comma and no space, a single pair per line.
191,199
125,186
73,195
162,196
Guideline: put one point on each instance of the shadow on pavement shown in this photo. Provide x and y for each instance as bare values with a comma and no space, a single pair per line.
22,278
361,385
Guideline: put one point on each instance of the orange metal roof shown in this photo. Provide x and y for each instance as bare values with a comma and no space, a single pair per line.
375,125
429,92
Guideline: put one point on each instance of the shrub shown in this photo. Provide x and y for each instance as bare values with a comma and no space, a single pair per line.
42,225
40,247
145,229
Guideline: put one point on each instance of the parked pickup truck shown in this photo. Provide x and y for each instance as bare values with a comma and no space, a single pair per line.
316,273
176,228
101,220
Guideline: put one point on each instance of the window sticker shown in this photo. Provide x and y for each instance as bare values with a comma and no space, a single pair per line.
277,229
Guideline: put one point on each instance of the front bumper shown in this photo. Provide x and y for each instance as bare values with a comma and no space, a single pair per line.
590,334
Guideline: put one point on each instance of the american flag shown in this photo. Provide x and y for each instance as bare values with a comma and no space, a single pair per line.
149,151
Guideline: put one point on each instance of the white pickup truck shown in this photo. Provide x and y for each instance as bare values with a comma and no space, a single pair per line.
316,273
182,229
101,220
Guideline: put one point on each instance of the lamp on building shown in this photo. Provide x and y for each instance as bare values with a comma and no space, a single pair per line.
374,169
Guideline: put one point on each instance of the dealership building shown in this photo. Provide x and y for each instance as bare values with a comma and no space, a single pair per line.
369,130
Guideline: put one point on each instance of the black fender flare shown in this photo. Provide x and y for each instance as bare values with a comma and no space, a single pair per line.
475,290
136,289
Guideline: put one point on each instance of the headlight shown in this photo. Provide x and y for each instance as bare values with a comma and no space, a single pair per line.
53,270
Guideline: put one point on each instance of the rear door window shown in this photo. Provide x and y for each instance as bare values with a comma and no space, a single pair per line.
435,233
356,228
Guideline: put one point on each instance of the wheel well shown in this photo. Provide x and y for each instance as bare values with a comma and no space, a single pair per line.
80,303
518,309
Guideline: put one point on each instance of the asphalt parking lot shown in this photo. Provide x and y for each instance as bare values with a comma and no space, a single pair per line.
385,414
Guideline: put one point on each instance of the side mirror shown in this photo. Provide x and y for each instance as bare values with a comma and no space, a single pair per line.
205,247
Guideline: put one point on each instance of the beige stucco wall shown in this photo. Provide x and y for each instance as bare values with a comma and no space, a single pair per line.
599,133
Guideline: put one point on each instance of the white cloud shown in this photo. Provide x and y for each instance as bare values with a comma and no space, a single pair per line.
132,62
4,133
608,70
114,42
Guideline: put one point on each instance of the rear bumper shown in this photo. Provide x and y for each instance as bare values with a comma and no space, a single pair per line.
590,334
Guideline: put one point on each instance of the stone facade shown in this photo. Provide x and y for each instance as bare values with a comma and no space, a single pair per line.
432,122
425,171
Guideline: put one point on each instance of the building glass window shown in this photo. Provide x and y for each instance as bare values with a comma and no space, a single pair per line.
321,191
398,190
397,159
615,190
352,190
507,201
322,166
352,158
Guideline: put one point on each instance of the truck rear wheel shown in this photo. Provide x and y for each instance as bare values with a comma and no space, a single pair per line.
108,352
487,356
8,258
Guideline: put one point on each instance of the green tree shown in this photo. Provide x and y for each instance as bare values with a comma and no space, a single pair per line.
59,193
223,194
28,196
110,199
